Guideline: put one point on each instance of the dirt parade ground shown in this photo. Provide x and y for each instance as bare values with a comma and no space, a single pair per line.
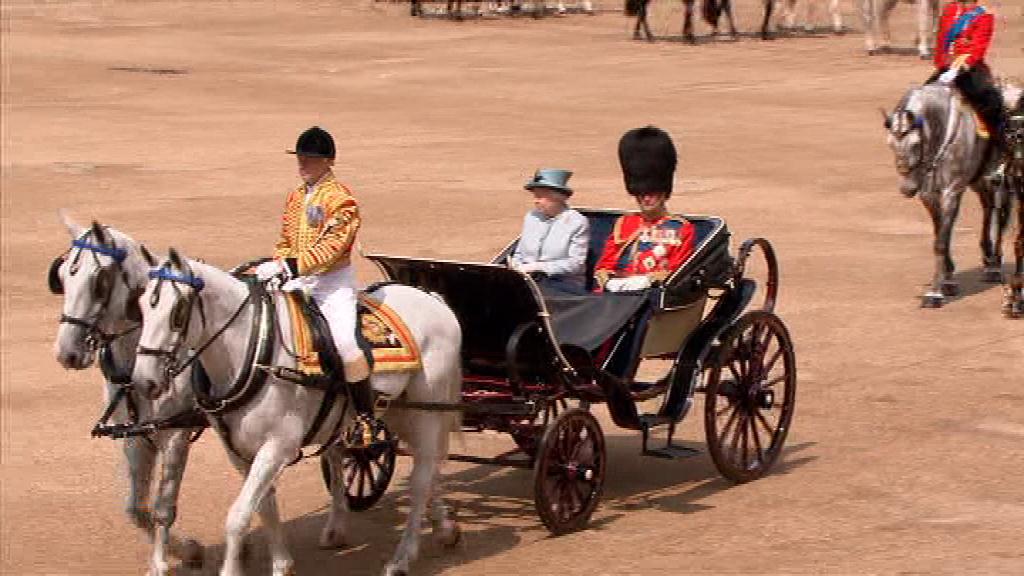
169,120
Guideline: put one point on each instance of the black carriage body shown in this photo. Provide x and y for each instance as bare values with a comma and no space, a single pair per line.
520,349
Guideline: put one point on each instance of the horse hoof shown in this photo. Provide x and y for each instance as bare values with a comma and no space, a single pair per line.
450,535
192,554
932,300
332,539
993,275
950,289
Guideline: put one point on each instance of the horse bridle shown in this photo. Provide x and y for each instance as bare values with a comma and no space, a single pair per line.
102,286
181,316
916,123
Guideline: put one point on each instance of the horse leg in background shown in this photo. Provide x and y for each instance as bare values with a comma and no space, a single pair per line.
641,20
768,6
258,491
175,451
688,22
883,23
995,207
869,14
726,8
836,15
333,533
925,27
414,8
787,17
429,444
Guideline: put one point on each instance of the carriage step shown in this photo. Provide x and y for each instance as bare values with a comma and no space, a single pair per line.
672,452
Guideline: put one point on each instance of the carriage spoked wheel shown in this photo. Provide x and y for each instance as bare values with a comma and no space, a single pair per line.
750,395
568,473
366,472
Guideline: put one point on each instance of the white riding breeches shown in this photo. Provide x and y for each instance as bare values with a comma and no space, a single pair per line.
335,294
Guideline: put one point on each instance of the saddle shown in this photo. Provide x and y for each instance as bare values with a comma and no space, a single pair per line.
383,336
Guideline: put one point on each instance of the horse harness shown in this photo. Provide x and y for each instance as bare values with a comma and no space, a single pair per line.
255,367
101,342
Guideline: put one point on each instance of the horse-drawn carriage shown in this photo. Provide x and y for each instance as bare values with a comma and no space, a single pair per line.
527,355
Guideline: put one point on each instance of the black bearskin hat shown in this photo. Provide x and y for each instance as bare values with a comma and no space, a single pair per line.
648,160
315,142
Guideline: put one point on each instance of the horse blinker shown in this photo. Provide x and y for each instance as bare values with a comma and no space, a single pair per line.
56,283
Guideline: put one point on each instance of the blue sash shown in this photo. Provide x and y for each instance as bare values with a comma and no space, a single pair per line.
960,25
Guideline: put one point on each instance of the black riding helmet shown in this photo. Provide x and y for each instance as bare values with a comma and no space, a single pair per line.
315,142
648,160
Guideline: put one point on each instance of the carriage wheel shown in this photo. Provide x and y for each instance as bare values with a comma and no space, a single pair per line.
569,471
527,437
750,395
366,472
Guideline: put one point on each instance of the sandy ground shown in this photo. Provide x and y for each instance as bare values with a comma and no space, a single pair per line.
906,449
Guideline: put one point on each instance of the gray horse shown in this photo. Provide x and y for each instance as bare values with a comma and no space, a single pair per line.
934,136
101,277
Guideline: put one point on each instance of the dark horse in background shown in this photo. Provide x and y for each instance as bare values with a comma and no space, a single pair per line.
711,11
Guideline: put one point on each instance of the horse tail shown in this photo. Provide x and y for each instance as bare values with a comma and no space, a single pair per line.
711,10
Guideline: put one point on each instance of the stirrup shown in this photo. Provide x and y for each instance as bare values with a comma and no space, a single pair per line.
365,430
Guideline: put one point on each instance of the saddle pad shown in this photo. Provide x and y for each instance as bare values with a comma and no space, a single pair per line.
389,339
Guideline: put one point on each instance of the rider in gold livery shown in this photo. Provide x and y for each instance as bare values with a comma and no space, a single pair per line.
314,255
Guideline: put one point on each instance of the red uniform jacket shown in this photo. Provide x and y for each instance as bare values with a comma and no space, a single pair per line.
637,246
970,41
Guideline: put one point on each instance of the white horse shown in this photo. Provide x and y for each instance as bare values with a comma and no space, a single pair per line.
788,15
877,37
101,277
266,424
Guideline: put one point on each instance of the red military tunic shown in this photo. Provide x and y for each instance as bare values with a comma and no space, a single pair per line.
640,247
968,44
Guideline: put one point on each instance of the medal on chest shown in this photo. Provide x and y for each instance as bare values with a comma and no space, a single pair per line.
315,215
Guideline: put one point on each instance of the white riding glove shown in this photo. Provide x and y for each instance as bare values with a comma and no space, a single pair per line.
630,284
947,77
269,269
298,284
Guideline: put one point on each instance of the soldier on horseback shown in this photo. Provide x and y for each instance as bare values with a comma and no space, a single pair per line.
313,254
965,32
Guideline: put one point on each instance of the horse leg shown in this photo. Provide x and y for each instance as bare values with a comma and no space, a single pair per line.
995,211
924,29
642,20
942,284
174,458
429,443
140,453
333,533
768,5
837,16
258,493
883,22
688,22
869,15
444,527
1013,305
727,9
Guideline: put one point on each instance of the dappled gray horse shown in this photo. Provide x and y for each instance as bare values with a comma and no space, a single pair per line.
934,136
101,277
265,419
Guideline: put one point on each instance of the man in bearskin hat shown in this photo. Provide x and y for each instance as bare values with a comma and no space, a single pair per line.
314,254
965,32
645,247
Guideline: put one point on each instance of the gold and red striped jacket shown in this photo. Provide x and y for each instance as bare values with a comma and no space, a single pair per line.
319,234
